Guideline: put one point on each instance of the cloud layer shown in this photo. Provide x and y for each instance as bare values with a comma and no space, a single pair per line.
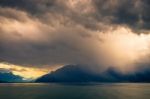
98,33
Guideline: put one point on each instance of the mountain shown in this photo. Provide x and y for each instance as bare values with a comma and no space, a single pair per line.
9,77
74,73
69,73
139,76
2,82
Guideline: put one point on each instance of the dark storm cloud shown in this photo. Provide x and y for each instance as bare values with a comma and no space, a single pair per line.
32,6
133,13
51,32
42,46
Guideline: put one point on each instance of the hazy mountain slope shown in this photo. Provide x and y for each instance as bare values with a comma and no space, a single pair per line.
73,73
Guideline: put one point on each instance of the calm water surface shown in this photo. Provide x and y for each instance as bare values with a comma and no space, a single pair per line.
75,91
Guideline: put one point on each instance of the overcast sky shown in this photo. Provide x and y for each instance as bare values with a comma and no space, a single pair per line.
97,33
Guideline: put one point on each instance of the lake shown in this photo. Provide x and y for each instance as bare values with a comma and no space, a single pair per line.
75,91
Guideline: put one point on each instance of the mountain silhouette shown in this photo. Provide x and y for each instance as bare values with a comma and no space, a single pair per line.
2,82
74,73
69,73
9,77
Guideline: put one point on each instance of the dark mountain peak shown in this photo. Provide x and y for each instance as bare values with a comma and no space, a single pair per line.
71,73
68,73
75,73
9,77
70,69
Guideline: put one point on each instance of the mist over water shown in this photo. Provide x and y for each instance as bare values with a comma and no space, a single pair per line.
75,91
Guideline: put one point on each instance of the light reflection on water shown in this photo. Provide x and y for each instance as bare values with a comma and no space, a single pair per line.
75,91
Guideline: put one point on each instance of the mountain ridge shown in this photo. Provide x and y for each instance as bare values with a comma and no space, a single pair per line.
73,73
9,77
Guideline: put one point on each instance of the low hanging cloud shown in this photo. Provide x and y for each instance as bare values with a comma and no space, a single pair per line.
98,33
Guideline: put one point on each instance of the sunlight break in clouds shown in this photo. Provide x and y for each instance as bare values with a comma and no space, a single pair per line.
96,33
29,73
125,47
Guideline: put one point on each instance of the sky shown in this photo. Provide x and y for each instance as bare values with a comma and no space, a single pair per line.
39,36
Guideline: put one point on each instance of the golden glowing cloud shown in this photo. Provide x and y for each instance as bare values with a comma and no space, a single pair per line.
125,47
24,71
